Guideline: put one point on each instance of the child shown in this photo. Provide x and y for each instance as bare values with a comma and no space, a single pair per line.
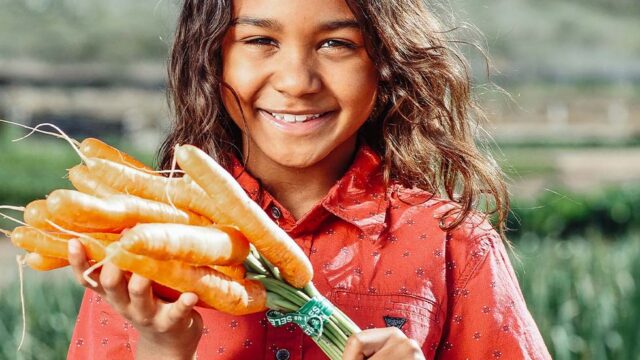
346,121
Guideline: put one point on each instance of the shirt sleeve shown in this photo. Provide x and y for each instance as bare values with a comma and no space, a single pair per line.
100,332
487,317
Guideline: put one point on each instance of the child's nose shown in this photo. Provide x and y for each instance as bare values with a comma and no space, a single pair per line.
296,76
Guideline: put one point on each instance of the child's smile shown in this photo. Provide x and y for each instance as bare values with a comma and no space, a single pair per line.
303,78
297,123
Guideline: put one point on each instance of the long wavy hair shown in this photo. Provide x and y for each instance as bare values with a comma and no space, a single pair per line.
423,124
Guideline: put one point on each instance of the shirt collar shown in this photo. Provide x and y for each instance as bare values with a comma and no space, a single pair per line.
359,197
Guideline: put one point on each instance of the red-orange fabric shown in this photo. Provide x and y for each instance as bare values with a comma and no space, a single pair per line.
378,254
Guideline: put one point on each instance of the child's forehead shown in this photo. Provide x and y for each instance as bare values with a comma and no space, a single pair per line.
309,11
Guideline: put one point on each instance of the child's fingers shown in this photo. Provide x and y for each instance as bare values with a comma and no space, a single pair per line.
181,312
367,342
142,307
114,284
381,343
79,263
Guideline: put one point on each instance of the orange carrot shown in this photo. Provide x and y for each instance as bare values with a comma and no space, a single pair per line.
236,272
117,212
213,288
232,206
44,263
37,214
92,147
41,242
196,245
85,182
177,191
55,244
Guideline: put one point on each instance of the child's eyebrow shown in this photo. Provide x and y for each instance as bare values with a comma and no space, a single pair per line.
277,26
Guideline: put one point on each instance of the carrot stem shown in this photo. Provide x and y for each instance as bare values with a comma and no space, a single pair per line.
254,264
284,297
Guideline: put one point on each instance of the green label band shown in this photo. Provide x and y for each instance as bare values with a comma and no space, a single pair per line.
311,316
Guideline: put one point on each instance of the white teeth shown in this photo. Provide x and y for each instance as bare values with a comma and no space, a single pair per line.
290,118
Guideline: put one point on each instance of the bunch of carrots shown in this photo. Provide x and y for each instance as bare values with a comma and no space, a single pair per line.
199,233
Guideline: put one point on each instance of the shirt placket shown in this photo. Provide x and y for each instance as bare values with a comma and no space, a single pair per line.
284,342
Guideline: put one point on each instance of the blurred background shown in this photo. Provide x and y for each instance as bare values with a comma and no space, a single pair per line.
566,129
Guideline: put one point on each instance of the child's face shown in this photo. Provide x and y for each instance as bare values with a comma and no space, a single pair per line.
297,57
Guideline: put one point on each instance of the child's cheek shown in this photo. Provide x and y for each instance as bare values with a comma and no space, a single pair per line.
355,86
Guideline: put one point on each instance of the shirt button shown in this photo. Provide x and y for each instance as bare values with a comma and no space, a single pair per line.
275,212
282,354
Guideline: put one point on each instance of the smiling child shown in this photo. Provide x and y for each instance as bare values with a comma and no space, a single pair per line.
351,124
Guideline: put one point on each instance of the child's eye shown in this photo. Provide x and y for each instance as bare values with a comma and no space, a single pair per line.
263,41
333,43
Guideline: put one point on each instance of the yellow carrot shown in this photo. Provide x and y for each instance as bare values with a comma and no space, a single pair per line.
232,206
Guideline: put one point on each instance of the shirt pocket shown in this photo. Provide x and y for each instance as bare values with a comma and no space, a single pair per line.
416,316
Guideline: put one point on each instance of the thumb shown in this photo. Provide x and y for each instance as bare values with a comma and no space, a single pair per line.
367,342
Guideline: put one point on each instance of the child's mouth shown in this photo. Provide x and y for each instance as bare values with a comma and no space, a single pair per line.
299,123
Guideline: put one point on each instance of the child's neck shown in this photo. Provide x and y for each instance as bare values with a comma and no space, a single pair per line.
299,189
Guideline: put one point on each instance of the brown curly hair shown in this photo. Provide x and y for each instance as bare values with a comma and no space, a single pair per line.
423,125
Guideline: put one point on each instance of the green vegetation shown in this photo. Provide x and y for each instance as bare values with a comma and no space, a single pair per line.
607,213
51,304
584,294
31,168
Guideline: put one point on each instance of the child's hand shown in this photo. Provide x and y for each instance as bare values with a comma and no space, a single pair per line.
167,330
384,343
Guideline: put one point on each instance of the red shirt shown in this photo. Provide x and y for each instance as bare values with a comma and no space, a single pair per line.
380,256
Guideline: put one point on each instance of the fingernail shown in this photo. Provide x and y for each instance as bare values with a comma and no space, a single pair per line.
189,299
73,247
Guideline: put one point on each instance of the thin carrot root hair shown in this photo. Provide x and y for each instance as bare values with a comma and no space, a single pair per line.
11,217
174,163
110,255
35,129
20,259
18,208
61,134
9,207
